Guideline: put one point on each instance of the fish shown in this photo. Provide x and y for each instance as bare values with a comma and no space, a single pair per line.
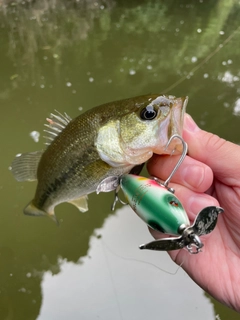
92,151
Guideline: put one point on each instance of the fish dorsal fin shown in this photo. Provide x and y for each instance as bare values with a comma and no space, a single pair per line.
81,203
24,166
56,123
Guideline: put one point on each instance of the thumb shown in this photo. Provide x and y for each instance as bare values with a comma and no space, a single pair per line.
222,156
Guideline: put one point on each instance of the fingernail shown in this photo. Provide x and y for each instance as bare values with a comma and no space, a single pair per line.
189,124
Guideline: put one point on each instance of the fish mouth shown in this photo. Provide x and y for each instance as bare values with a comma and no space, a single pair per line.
176,125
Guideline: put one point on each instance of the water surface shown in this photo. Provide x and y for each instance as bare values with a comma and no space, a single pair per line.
74,55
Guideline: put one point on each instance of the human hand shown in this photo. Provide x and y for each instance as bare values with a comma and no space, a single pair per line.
208,176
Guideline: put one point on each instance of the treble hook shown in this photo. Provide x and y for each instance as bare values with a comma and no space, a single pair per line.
117,198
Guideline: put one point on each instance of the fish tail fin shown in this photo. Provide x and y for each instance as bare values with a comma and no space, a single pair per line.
24,166
32,210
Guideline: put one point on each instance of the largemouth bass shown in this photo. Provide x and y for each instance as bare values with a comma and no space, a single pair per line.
89,153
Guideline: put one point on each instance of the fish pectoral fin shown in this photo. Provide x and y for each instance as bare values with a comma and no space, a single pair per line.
81,203
24,166
108,184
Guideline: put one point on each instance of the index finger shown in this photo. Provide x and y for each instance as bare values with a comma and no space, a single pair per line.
222,156
192,174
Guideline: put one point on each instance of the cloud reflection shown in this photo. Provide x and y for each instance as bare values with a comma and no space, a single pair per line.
106,286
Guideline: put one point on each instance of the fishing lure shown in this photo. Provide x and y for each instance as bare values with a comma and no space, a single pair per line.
155,203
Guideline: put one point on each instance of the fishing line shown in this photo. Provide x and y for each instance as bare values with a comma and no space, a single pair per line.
174,85
113,284
141,261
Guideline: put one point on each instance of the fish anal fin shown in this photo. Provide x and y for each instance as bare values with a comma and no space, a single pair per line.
24,166
81,203
32,210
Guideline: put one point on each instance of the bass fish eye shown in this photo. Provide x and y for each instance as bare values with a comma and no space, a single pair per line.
148,113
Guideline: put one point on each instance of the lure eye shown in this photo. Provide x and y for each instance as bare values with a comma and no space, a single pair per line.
148,113
173,203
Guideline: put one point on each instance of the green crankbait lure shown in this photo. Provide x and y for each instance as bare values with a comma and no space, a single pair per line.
162,211
157,206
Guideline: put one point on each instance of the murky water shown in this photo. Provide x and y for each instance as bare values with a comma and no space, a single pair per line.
71,56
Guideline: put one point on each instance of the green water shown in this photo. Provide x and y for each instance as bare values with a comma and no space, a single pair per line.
71,56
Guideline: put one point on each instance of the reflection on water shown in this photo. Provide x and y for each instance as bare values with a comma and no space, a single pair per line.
98,287
71,56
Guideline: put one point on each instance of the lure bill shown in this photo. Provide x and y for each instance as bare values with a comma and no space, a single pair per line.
161,210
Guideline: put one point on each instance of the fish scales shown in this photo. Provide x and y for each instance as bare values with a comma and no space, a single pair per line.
65,163
106,141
